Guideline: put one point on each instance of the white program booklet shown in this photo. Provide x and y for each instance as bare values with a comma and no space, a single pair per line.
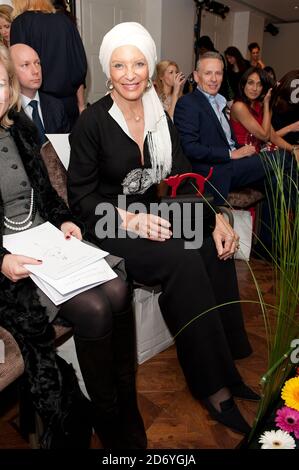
60,257
69,266
105,274
94,273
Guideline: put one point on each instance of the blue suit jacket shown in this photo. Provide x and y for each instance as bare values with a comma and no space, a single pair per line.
203,139
54,115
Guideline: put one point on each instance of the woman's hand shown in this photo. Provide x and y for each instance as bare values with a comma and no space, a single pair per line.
225,238
178,83
146,225
13,266
245,151
267,97
70,229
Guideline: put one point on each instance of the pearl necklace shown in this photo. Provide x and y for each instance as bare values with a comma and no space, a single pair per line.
13,225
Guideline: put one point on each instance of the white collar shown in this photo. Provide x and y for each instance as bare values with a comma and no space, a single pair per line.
152,113
220,100
25,100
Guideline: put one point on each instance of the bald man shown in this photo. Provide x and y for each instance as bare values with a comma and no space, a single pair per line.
46,111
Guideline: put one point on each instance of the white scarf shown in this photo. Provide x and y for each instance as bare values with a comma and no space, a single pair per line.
155,121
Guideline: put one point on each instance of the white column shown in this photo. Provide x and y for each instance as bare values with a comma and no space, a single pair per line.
248,27
153,22
178,17
256,30
240,31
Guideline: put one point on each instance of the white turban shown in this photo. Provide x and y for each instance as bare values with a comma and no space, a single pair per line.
155,121
125,34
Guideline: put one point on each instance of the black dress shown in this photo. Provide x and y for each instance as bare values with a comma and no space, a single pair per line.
58,43
103,157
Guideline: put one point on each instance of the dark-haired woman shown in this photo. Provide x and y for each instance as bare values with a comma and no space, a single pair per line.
250,112
251,122
236,66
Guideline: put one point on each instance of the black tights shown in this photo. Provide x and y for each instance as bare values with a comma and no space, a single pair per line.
91,312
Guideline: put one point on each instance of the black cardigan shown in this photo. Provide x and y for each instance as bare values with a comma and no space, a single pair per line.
102,155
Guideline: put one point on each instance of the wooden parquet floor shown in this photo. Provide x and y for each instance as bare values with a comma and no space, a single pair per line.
173,419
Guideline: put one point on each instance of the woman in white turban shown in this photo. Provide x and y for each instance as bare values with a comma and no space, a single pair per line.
122,147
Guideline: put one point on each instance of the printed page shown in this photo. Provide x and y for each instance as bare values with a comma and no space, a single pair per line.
57,298
60,257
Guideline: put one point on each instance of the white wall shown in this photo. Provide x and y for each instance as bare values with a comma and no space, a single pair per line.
240,31
153,22
256,31
237,29
281,51
218,29
178,18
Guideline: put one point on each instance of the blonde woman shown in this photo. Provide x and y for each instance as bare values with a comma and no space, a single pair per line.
58,43
123,145
5,23
169,84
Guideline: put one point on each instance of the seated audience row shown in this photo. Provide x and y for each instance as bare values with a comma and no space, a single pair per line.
208,140
125,145
102,317
194,281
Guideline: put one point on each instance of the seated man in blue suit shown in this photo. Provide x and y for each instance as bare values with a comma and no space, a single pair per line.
46,111
207,138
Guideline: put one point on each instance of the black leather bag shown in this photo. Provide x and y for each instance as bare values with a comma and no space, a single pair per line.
183,202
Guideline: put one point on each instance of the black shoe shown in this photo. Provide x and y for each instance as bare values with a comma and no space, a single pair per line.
133,426
243,392
230,415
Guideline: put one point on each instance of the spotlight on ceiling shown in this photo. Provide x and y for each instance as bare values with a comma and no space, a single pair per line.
213,7
270,28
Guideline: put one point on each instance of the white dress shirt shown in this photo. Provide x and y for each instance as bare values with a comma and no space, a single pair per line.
218,103
28,109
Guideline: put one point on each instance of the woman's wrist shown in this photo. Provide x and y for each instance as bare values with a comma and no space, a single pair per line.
126,217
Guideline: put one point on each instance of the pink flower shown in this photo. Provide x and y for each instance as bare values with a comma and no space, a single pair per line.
287,419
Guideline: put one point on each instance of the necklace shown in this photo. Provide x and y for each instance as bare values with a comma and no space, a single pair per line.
18,226
135,117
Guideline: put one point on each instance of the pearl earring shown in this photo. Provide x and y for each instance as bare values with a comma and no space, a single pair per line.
109,84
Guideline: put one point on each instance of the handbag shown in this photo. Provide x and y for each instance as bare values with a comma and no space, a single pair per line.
243,227
190,214
152,334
